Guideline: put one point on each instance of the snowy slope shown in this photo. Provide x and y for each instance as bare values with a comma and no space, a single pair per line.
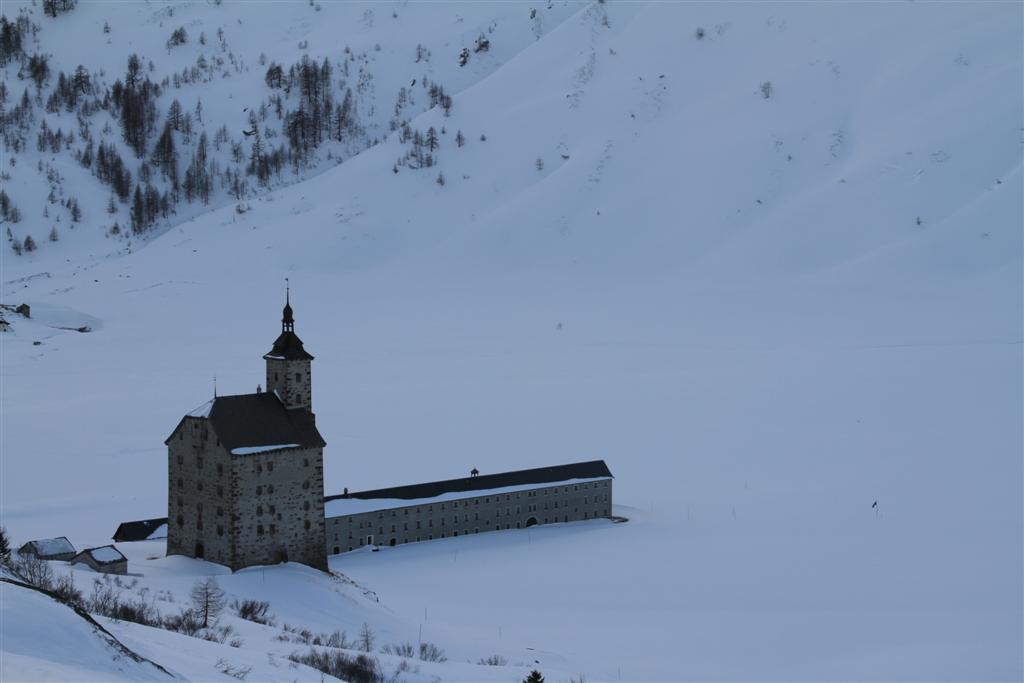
44,640
764,314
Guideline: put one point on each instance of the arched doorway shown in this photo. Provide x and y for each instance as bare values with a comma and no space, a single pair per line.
392,542
281,556
200,551
532,521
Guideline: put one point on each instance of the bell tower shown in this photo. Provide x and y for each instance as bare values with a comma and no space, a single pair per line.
288,364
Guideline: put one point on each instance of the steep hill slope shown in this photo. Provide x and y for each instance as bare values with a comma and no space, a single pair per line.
44,640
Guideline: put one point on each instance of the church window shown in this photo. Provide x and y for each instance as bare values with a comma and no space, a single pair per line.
180,520
220,512
199,485
181,483
259,469
305,462
270,466
199,508
272,509
199,523
305,484
220,531
270,488
220,469
305,505
273,529
181,459
220,491
259,510
181,502
199,462
181,436
392,528
259,529
298,376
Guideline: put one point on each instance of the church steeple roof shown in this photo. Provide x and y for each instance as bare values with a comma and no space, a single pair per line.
288,346
287,321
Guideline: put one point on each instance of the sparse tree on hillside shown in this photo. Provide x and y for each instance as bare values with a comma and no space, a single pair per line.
366,638
534,677
207,599
5,547
29,244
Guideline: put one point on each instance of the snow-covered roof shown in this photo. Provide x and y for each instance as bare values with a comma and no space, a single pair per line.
249,450
104,554
159,532
53,546
203,410
352,506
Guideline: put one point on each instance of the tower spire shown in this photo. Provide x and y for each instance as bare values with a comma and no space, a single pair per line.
287,321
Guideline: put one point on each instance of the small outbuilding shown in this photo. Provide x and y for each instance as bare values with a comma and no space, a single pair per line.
105,559
59,548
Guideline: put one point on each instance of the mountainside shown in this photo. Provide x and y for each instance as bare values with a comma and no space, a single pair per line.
764,259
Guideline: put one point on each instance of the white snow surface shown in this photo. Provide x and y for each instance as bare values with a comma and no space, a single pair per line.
249,450
764,314
203,410
44,640
107,553
352,506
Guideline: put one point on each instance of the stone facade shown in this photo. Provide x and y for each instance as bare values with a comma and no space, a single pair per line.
292,381
426,520
279,508
199,494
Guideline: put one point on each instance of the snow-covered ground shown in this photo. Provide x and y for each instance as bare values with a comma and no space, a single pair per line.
765,314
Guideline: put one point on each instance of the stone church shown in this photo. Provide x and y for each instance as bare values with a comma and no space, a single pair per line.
246,473
245,484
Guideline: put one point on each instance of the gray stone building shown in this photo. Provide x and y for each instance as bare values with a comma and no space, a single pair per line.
59,548
472,505
245,472
245,484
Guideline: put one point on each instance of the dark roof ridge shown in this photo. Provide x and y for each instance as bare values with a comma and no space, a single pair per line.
589,469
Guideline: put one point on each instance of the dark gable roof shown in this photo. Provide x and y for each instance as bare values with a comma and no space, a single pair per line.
138,530
250,420
540,475
288,346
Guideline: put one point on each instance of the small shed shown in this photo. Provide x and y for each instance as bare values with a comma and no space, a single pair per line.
141,530
59,548
105,559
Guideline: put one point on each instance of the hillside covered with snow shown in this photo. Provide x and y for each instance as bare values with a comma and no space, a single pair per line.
764,259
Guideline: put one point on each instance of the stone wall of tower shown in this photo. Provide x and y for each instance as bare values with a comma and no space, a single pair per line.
292,380
199,502
280,507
